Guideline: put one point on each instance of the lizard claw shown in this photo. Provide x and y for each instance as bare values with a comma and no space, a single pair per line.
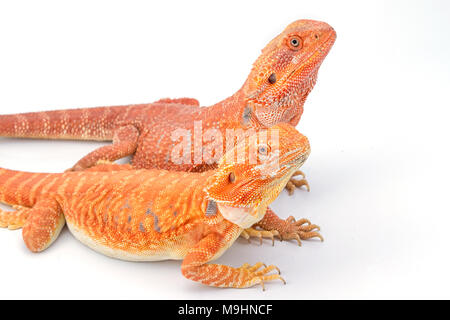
297,183
288,229
256,275
301,235
251,232
298,230
14,220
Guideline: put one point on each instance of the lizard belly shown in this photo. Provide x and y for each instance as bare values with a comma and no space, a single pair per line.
122,254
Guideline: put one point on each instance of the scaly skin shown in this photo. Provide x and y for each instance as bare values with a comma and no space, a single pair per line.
269,227
274,92
158,214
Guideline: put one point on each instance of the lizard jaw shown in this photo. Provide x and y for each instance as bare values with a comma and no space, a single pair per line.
246,216
242,216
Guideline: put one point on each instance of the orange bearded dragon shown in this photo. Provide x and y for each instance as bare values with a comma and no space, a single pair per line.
148,215
274,92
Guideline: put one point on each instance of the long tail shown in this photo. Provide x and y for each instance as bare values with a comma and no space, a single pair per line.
23,188
74,124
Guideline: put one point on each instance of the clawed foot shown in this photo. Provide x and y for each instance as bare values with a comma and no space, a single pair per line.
255,275
297,183
14,219
251,232
288,229
298,230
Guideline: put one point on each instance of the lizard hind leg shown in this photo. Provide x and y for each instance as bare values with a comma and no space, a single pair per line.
43,225
14,219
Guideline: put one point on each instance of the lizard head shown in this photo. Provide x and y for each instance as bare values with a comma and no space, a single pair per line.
243,189
286,72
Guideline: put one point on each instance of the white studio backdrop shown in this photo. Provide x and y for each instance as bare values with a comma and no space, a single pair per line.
377,121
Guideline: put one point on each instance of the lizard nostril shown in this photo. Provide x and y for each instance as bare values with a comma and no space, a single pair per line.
232,177
273,78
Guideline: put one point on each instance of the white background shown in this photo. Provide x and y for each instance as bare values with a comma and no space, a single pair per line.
377,120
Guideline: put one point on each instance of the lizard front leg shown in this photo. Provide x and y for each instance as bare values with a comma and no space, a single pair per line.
43,225
195,267
124,144
288,229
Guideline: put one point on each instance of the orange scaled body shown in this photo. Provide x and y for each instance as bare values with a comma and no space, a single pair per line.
158,214
274,92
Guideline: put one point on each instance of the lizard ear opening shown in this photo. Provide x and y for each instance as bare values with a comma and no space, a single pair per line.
232,177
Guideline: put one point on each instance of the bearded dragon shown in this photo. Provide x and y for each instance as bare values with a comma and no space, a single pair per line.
274,92
149,215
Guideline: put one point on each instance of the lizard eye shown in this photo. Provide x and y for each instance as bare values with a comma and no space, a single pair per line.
232,177
273,78
263,150
295,42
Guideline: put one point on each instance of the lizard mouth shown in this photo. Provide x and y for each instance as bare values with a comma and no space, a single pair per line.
317,54
254,186
247,215
295,86
272,178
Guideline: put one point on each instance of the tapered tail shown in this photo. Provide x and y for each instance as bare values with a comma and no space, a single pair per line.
74,124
